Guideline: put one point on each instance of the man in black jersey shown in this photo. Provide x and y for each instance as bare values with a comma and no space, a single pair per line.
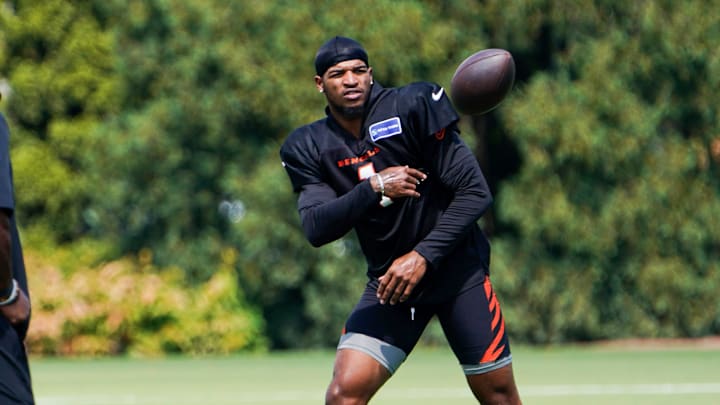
15,384
389,163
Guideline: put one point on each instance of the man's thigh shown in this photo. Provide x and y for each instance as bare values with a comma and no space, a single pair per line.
399,325
475,329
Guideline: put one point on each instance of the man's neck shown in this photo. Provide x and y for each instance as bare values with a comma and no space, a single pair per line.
352,125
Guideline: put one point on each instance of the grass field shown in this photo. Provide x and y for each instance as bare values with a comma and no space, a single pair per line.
569,375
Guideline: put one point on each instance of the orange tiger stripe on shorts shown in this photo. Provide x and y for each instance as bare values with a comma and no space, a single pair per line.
498,326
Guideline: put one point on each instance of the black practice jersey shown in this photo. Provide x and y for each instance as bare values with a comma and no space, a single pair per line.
414,125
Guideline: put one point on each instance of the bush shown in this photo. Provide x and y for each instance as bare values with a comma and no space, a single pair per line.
129,307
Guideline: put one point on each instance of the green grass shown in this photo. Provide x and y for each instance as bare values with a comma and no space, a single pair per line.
570,375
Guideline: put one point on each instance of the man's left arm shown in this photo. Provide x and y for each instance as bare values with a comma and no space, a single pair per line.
433,120
14,303
458,169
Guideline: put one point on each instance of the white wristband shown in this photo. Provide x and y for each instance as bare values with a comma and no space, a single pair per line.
13,295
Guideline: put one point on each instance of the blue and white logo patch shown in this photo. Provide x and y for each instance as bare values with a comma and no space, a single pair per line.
384,129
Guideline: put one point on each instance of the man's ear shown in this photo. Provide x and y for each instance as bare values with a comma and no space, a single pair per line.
319,84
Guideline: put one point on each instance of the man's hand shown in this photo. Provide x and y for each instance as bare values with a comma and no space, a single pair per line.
399,181
19,310
404,274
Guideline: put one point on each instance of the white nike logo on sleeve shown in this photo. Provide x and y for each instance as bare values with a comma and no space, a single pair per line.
436,96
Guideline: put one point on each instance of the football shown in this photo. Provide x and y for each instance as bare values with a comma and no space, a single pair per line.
482,81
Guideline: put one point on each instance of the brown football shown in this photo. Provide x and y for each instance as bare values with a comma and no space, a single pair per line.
482,81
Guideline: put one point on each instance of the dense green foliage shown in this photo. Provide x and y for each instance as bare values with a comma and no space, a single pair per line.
131,307
58,64
615,211
152,127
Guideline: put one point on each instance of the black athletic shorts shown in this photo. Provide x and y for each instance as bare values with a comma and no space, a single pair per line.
472,322
15,384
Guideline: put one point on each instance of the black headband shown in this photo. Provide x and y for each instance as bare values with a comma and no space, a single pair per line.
336,50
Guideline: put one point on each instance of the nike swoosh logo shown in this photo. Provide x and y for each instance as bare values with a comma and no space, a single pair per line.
436,96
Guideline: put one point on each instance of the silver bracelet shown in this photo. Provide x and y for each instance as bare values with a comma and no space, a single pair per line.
384,200
381,184
14,293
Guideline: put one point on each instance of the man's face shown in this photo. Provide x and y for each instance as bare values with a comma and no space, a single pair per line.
346,86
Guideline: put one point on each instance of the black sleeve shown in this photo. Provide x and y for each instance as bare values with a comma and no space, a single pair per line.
6,190
6,206
453,163
458,170
300,159
325,217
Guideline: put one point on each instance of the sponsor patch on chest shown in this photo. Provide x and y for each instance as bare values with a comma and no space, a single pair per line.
384,129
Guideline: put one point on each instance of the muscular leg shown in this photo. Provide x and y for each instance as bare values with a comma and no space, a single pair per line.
496,387
375,342
356,378
475,328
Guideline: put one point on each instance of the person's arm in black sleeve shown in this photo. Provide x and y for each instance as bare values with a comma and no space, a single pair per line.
14,302
326,217
5,252
7,206
458,169
434,121
15,305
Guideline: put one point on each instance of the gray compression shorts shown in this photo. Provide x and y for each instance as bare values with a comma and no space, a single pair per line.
384,353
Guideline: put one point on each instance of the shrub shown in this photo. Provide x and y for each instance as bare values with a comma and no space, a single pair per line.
130,307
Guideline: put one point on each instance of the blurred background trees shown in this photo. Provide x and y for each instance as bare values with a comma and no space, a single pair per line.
145,137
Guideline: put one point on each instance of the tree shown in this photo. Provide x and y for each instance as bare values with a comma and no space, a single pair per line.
615,209
61,85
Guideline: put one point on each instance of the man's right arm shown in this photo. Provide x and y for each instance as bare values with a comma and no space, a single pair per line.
325,217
